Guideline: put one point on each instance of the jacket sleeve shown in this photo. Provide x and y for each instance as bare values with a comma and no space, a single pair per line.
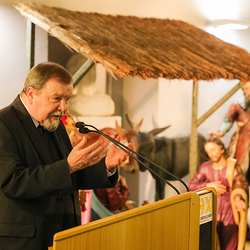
95,176
23,177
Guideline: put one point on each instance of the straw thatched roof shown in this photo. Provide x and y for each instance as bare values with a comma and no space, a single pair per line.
143,47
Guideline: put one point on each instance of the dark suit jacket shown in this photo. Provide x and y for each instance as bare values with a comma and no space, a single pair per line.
38,197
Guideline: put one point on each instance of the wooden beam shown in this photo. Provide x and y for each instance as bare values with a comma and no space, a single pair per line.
30,44
82,71
218,104
193,143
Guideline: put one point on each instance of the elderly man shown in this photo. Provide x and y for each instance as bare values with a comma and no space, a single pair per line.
40,173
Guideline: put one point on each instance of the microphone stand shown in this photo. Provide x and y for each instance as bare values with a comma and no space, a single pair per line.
83,129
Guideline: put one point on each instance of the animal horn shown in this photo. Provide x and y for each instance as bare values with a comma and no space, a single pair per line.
157,131
119,130
129,121
138,126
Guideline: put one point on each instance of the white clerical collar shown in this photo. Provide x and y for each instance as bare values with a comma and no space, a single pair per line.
33,119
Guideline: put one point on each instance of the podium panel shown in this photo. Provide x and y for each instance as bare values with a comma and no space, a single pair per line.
207,239
173,223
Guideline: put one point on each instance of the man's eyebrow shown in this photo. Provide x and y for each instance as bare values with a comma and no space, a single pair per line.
61,95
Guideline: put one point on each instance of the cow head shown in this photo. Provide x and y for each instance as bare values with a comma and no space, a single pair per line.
147,146
142,143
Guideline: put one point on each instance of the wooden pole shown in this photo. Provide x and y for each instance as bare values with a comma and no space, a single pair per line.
82,71
218,104
30,44
193,143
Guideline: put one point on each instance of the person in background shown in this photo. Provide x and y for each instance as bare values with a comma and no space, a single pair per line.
225,175
40,172
239,146
114,199
85,197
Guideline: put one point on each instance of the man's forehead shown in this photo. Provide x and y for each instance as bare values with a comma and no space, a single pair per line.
56,87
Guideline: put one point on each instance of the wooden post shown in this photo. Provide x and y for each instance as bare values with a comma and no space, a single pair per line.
82,71
30,44
193,143
218,104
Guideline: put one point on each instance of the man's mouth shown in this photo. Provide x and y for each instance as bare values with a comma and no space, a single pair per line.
56,116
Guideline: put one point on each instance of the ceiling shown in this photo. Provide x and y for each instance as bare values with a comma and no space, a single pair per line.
208,10
223,9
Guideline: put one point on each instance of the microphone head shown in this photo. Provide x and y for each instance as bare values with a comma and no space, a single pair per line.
83,130
80,124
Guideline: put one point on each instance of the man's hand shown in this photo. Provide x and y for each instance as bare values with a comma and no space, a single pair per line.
116,156
220,188
83,156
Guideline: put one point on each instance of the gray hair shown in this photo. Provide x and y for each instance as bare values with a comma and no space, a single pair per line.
43,72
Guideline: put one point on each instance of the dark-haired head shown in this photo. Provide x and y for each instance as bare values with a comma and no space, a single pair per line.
217,141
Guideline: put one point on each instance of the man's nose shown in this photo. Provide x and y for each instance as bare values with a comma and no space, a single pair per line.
63,106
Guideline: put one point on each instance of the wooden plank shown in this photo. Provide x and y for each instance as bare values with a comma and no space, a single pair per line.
82,71
30,44
193,144
172,223
218,104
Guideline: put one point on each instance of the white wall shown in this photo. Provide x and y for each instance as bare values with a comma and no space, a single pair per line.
13,52
158,102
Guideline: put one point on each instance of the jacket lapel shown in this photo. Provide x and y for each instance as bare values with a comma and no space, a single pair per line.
32,132
62,140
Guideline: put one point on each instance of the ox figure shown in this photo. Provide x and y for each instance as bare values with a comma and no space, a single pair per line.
171,154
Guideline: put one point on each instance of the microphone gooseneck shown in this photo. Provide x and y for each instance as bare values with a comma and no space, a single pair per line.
83,129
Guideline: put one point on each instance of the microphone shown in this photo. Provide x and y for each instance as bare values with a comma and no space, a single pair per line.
84,130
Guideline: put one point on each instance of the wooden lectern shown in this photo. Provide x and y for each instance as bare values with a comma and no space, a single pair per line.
173,223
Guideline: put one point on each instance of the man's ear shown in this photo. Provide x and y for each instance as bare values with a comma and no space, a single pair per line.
30,94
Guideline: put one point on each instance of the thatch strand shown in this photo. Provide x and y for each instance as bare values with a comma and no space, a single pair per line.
143,47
